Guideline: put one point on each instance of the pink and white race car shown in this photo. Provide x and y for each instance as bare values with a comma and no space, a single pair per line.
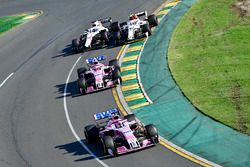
120,135
98,76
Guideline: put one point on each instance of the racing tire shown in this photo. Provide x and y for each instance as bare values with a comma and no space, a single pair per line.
91,133
108,143
117,38
146,28
115,26
152,133
114,63
75,46
116,76
91,82
104,37
123,24
81,86
130,117
81,71
152,20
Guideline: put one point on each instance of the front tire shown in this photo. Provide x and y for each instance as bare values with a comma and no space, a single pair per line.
117,37
114,63
152,133
75,46
81,71
116,76
104,37
81,86
146,28
108,143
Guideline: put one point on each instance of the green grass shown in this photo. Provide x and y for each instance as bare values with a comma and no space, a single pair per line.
8,22
209,57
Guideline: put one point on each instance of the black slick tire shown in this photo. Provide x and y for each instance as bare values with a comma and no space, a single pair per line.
152,133
81,85
91,133
108,143
152,20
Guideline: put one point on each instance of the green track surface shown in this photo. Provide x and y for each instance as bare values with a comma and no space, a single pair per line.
8,22
209,57
175,117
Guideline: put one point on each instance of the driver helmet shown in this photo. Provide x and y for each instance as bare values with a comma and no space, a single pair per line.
118,124
133,17
95,61
115,117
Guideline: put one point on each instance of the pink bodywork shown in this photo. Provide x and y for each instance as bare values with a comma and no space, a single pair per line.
98,71
126,133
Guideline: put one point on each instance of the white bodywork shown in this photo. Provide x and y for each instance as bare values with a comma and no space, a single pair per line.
134,25
90,33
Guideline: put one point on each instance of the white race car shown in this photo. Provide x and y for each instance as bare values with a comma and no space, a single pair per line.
135,28
97,35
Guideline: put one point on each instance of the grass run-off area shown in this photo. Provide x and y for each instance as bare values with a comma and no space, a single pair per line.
8,22
209,57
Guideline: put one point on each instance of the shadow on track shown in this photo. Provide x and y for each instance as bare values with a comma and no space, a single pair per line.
67,51
72,90
76,149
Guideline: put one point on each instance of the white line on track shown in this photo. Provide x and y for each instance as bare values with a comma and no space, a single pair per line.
6,79
69,121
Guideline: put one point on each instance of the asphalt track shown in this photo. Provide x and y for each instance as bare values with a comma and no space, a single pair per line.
34,130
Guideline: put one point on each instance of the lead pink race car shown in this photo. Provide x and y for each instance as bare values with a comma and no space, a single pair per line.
98,76
119,135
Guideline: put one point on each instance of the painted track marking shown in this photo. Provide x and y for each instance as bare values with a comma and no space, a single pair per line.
69,121
6,79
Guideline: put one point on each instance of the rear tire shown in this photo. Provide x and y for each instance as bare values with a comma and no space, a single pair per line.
152,20
115,26
108,143
91,133
130,117
152,133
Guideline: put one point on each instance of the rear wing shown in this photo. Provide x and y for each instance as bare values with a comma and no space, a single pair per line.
103,117
91,60
105,21
144,13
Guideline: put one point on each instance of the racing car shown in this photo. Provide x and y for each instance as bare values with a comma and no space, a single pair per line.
135,28
98,76
120,135
97,35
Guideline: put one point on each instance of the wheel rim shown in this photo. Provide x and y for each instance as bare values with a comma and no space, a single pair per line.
118,81
103,147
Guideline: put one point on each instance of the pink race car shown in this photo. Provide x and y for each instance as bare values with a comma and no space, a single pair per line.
98,76
120,135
